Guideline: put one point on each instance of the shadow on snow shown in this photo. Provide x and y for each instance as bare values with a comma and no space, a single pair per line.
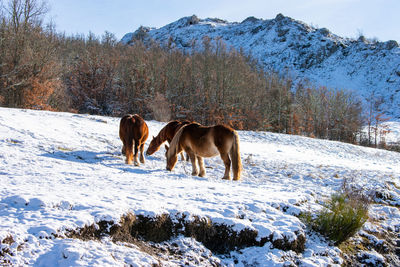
105,158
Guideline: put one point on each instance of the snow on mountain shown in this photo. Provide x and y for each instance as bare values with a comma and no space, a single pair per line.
62,171
303,51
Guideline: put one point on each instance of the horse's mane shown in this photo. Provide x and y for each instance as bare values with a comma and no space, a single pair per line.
160,138
162,135
174,145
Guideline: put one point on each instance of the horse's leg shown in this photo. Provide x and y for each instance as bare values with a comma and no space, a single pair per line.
185,156
128,151
123,150
136,161
227,162
200,160
192,156
141,153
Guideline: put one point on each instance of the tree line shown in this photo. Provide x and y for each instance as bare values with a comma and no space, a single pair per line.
43,69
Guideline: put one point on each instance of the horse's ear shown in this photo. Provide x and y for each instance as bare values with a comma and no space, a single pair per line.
166,147
133,119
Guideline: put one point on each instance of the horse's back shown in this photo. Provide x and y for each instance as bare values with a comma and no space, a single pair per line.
220,130
207,141
133,126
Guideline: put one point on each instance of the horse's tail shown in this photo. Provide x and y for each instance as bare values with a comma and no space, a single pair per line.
235,157
174,145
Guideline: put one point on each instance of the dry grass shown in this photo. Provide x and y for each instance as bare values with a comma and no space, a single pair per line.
4,250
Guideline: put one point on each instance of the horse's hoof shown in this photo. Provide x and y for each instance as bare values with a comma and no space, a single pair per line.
137,164
202,174
226,178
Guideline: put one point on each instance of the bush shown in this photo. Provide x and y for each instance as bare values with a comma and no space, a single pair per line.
342,216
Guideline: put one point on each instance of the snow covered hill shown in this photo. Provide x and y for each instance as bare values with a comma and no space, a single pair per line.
305,52
61,172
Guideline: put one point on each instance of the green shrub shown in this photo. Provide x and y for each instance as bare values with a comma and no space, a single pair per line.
342,216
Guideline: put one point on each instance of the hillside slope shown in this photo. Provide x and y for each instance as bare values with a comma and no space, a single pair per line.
60,172
302,51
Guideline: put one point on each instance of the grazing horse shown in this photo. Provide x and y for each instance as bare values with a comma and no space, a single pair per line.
202,141
133,131
166,134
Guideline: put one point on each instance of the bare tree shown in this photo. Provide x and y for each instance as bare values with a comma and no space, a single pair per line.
29,67
23,13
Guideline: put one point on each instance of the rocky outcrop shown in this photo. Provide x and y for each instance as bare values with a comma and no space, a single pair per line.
219,238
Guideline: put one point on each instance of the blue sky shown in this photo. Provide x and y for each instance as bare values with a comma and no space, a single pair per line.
348,18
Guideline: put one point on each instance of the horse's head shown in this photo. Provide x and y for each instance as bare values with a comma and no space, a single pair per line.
172,158
153,147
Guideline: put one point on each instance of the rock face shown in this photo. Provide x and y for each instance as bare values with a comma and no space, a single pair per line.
303,51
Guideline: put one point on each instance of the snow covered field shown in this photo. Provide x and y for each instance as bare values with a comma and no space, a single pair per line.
62,171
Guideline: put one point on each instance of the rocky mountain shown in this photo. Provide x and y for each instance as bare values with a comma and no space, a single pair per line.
368,67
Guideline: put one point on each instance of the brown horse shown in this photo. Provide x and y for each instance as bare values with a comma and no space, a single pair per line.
202,141
133,131
166,134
